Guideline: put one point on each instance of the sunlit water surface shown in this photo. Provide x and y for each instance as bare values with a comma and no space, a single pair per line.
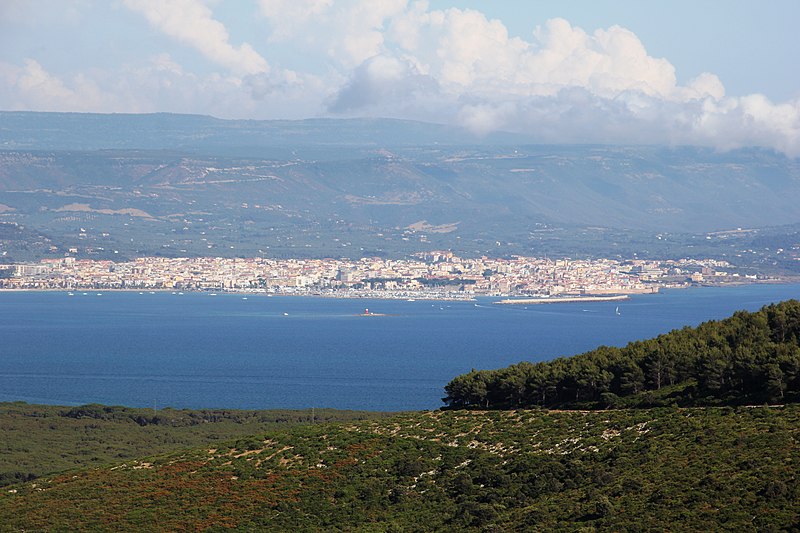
197,350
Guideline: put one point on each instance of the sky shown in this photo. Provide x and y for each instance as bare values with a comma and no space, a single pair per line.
720,73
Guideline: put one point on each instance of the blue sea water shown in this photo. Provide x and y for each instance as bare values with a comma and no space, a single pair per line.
196,350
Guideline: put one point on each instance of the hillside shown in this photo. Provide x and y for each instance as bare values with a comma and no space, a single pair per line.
708,468
44,439
658,469
25,130
117,185
749,358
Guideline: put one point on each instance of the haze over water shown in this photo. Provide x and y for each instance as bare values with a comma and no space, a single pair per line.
196,350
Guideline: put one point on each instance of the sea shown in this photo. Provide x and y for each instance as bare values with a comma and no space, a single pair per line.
254,351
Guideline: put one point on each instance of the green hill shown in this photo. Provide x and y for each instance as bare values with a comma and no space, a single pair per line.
688,465
45,439
701,469
749,358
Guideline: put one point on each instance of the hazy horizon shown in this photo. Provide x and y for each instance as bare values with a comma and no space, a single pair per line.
718,74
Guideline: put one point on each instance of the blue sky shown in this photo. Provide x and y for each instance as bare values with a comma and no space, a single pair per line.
752,46
711,72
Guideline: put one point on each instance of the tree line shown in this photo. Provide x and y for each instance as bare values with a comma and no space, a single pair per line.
748,358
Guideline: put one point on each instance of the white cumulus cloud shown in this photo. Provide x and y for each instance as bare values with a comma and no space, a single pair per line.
563,84
400,59
31,87
383,80
192,22
347,32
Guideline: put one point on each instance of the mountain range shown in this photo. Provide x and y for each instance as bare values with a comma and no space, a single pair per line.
189,184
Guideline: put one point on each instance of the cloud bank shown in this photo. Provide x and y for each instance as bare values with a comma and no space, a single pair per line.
402,59
192,22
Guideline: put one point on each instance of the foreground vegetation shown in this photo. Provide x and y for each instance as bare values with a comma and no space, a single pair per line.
698,469
673,467
749,358
44,439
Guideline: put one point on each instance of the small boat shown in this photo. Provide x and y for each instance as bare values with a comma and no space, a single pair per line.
244,297
285,314
70,294
617,311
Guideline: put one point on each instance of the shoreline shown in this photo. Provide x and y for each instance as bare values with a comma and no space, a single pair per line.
245,292
507,299
568,299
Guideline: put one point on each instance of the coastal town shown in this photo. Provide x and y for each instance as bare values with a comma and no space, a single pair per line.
434,275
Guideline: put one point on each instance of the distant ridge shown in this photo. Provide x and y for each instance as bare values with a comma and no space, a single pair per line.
366,187
28,130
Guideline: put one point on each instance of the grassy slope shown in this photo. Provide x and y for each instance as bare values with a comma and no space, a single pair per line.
665,469
45,439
